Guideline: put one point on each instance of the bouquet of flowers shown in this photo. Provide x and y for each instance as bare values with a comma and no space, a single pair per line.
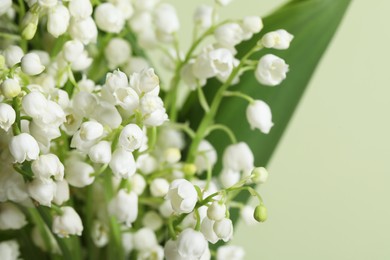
97,162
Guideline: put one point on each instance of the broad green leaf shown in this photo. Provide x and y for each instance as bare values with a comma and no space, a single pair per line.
313,24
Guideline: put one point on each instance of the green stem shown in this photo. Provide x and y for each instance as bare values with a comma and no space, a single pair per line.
22,12
10,36
225,129
184,127
240,95
202,100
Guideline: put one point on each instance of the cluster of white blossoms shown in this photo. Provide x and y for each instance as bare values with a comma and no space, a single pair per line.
90,141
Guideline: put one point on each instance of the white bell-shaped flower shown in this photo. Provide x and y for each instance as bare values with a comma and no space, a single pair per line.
34,104
148,81
78,173
152,220
230,252
100,234
80,9
125,7
62,192
259,116
216,211
246,214
5,6
229,34
9,249
100,152
84,30
223,2
279,39
166,209
7,116
207,230
11,217
58,20
107,114
117,52
191,244
47,3
122,163
42,191
84,103
166,19
24,147
68,223
259,175
91,130
271,70
10,88
213,62
135,64
124,206
13,54
138,183
109,18
224,229
48,165
131,137
159,187
182,195
238,157
153,110
206,157
31,64
251,25
203,16
144,239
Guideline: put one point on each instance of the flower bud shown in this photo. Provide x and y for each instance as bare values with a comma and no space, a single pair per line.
159,187
259,116
166,19
259,175
100,152
279,39
189,169
84,30
13,54
7,116
48,165
80,9
172,155
271,70
182,195
68,223
251,25
229,35
34,104
122,163
117,52
124,206
148,80
216,211
10,88
42,191
29,25
109,18
191,244
206,157
11,217
152,220
58,20
229,177
138,183
24,147
91,130
62,192
224,229
78,173
31,64
260,213
131,137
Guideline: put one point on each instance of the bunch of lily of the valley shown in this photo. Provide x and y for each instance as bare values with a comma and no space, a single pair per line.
94,162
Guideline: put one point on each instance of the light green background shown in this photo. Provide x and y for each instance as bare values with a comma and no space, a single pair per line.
328,193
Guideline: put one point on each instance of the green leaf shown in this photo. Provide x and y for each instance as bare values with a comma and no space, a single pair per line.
313,24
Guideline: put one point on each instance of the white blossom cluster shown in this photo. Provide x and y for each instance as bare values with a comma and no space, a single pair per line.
90,144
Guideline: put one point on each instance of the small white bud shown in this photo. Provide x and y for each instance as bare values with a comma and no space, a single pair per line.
259,116
224,229
58,20
148,81
48,165
84,30
100,152
10,88
117,52
62,192
259,175
138,183
69,223
42,191
251,25
216,211
109,18
78,173
279,39
152,220
124,206
34,104
229,35
91,130
131,137
80,9
271,70
7,116
159,187
11,217
166,19
24,147
122,163
172,155
206,157
31,64
13,54
182,195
